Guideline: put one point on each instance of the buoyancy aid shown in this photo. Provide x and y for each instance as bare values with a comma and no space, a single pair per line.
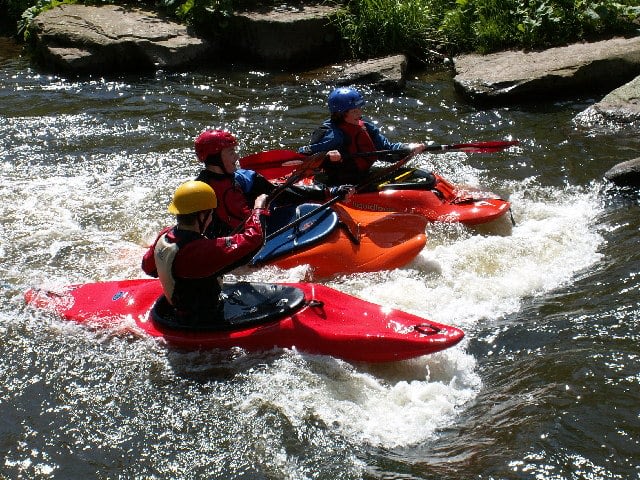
358,140
195,300
233,207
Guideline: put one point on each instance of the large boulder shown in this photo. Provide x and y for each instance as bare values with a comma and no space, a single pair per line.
620,108
386,73
109,38
554,73
625,174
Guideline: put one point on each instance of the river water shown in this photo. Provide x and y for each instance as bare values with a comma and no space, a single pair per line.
545,384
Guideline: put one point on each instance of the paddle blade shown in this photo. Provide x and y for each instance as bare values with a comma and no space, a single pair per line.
475,147
273,163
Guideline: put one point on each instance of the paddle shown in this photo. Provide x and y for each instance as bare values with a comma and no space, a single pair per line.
384,173
273,163
477,147
280,163
307,167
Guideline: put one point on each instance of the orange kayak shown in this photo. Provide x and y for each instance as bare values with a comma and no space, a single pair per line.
361,241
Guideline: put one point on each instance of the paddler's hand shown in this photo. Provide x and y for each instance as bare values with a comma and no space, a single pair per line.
334,156
417,148
261,202
345,191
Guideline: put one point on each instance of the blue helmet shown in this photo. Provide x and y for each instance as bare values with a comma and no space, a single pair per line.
343,99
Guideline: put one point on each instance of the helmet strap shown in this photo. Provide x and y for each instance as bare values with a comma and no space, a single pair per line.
216,161
202,221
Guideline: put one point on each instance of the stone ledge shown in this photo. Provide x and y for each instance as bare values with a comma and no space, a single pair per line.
517,76
85,39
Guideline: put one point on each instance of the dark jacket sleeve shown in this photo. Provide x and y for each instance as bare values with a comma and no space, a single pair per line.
326,137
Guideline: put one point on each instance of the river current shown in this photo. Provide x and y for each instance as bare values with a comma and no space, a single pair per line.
544,386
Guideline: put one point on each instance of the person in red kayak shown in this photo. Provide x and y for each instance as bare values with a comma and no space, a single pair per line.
190,265
346,134
236,189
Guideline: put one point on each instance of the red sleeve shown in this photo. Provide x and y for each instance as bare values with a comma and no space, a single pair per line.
205,257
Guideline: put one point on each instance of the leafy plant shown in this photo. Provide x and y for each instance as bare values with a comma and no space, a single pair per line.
378,27
490,25
30,13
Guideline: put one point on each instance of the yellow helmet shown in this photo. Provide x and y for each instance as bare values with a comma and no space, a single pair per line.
192,196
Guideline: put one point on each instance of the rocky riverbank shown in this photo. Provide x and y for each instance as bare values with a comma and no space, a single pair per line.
78,39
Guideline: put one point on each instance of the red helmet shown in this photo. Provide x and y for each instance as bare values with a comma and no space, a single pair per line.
211,142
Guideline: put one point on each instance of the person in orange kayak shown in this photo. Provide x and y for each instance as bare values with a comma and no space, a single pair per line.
236,189
189,265
346,134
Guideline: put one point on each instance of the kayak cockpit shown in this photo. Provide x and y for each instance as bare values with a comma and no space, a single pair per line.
245,304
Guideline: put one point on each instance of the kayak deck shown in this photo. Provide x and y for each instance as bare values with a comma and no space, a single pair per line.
445,203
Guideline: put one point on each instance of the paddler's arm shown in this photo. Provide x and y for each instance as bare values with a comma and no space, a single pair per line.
148,259
326,138
218,256
241,247
251,238
383,143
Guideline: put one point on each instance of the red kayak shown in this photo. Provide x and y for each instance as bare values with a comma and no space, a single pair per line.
405,192
445,203
259,316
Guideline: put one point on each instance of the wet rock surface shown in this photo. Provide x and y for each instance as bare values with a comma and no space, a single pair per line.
620,107
518,76
109,38
386,73
625,174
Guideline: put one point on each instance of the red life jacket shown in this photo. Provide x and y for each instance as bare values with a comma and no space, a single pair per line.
233,207
359,141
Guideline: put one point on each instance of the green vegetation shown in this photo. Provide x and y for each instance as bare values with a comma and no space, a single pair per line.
29,9
423,29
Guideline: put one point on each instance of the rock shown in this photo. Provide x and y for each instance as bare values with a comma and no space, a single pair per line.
386,73
625,174
286,37
110,39
555,73
620,108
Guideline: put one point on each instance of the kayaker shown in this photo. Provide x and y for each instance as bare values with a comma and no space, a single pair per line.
345,134
236,189
190,265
